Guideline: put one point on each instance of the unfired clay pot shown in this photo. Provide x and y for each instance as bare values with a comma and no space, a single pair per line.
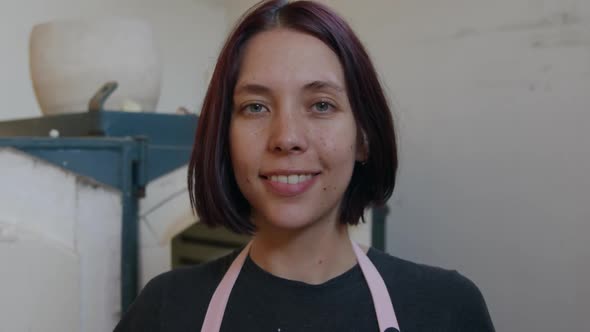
71,59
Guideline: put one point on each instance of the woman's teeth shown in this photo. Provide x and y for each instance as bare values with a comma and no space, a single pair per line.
290,179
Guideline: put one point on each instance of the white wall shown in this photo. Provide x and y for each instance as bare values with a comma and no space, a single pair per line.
491,100
59,253
189,34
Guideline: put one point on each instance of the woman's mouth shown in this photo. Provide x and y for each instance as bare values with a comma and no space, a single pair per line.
291,179
289,185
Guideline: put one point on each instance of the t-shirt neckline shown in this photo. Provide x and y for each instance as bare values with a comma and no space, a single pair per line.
257,272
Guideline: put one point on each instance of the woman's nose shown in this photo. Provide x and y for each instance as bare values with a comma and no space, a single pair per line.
287,132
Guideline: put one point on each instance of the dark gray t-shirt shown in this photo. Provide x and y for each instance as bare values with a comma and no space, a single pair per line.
424,298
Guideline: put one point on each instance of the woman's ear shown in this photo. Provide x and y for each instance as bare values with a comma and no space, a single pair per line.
362,150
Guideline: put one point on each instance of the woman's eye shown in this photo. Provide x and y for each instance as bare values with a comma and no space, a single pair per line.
254,108
322,106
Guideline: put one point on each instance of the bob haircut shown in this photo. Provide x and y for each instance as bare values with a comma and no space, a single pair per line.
214,193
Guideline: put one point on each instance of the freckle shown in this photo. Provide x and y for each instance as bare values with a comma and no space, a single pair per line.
325,188
320,261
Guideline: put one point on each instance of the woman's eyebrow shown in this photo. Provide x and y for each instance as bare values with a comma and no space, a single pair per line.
252,88
259,89
323,85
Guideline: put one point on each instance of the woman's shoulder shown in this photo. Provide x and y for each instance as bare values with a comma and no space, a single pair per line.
203,276
174,299
396,269
445,296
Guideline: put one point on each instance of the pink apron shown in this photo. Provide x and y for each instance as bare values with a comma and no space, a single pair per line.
383,307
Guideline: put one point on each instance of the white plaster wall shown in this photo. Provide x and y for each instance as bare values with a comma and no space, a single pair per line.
491,100
164,212
188,33
39,282
38,257
98,241
52,214
60,249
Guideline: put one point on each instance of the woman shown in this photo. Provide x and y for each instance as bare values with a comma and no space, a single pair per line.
295,140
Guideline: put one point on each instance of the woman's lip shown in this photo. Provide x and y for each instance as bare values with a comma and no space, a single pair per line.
288,172
286,189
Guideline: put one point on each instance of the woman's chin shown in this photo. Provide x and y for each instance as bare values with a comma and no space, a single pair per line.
293,217
284,222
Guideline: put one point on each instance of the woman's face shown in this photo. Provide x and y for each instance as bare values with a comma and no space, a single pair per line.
293,135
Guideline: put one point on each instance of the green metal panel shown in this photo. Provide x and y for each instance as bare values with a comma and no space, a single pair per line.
378,231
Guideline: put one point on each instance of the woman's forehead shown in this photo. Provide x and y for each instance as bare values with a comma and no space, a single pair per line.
284,57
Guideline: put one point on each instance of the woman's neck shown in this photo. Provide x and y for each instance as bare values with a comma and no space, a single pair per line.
313,256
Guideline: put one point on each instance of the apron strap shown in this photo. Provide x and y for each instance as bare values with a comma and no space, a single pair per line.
383,307
216,309
381,300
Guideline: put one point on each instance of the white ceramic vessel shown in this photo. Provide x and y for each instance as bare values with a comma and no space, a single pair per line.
71,59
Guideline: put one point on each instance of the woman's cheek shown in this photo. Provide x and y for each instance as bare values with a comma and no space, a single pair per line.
337,151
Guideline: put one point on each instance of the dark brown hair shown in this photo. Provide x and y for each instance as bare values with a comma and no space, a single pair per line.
213,190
